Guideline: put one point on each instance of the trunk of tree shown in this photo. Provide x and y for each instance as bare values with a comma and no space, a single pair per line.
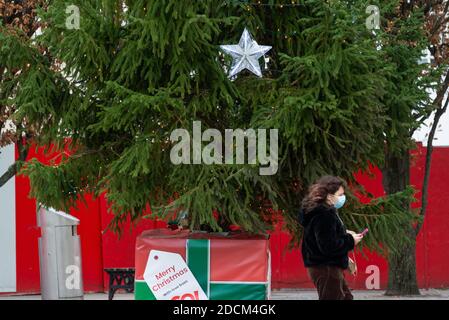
402,264
14,168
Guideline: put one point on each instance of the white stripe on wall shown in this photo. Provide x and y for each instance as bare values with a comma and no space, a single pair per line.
7,224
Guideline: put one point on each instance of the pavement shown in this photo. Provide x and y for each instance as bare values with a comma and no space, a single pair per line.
282,294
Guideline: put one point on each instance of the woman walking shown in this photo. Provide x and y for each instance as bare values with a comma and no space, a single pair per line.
326,242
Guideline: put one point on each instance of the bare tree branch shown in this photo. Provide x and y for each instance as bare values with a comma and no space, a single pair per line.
15,167
425,187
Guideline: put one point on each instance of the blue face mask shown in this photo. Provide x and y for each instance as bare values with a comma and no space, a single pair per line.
340,202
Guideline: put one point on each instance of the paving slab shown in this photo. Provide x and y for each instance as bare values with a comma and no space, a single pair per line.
282,294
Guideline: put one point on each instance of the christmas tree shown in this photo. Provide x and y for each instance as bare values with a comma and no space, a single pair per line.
15,15
124,75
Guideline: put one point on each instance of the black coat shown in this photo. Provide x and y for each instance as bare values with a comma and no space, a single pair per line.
325,241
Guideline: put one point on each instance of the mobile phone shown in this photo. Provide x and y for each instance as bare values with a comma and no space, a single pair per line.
364,232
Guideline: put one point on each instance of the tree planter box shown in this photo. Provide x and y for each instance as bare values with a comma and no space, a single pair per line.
234,266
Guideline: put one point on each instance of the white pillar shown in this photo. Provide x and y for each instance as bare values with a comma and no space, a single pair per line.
7,224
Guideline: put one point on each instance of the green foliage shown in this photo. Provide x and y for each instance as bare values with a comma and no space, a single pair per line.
385,218
128,78
404,42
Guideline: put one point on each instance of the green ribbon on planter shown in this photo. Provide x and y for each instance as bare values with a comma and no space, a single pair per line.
198,260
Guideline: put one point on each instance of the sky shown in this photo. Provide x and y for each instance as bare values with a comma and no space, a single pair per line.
441,136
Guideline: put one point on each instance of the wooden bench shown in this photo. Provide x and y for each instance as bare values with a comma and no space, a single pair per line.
120,278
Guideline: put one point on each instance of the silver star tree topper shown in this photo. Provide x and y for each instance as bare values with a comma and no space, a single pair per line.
245,55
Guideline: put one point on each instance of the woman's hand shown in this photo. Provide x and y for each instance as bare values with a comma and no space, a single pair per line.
350,232
357,238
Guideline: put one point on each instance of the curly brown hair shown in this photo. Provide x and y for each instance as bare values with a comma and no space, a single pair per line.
318,192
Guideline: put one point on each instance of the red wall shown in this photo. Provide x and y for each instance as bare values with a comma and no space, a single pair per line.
104,250
27,234
118,252
432,242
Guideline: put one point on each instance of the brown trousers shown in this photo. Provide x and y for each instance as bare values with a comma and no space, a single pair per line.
330,283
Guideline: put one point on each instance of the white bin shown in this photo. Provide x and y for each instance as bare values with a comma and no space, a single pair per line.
59,255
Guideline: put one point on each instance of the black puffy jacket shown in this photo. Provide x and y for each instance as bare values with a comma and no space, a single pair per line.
325,240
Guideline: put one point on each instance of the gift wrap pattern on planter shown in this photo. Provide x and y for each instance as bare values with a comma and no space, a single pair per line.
231,267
